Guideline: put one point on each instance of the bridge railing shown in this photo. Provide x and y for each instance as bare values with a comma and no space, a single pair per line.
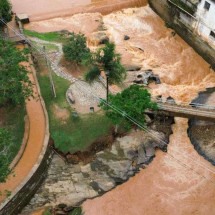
184,104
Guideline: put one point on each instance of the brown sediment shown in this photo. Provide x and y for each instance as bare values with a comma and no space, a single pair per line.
60,113
42,10
38,212
34,144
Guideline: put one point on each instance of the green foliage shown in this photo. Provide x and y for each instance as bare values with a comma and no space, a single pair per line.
77,135
5,142
5,11
14,123
49,36
92,74
76,49
107,60
7,193
68,135
47,212
76,211
15,85
133,101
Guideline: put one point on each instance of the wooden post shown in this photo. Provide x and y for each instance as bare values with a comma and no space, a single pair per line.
50,73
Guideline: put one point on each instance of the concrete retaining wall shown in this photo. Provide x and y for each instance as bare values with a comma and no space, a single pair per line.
169,13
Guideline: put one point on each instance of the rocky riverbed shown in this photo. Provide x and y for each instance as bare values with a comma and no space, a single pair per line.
72,184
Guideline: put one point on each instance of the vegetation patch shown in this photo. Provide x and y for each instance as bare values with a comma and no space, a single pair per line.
49,36
15,87
75,133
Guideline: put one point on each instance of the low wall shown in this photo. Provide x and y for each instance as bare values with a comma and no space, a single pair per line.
23,145
23,193
168,13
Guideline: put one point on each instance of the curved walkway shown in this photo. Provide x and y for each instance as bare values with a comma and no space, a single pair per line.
34,145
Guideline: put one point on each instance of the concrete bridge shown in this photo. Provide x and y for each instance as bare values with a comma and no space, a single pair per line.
193,110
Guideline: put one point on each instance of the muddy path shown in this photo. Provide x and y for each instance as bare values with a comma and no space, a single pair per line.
34,144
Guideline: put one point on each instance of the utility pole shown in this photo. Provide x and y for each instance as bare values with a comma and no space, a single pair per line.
107,73
50,72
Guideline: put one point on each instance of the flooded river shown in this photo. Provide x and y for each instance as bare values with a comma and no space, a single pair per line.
179,182
42,10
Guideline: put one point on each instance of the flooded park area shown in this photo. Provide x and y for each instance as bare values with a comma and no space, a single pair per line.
180,181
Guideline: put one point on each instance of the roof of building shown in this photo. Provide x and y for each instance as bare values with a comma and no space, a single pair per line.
22,16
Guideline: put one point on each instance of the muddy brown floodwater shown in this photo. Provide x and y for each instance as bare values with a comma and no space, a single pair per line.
46,9
179,182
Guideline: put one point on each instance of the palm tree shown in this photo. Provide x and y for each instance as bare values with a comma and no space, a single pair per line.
105,59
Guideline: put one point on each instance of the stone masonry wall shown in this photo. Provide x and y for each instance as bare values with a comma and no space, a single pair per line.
23,196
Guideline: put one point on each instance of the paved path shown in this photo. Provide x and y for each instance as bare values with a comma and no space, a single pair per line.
34,144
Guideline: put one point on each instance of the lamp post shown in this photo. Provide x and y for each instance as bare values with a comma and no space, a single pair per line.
107,73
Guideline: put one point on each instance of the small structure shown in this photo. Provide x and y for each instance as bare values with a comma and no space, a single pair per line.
71,97
23,18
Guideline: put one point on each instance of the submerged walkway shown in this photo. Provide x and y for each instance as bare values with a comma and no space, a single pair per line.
37,132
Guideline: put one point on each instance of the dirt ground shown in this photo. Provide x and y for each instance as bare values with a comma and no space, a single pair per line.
34,145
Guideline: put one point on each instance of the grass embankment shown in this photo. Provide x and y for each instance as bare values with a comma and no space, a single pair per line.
12,119
73,133
49,36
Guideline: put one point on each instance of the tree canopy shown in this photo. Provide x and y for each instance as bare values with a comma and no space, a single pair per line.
133,101
76,49
107,60
5,142
15,85
5,11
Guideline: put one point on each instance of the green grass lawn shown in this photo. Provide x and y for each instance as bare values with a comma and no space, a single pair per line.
74,134
14,122
49,36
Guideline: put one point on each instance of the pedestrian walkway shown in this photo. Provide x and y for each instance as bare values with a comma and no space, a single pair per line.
35,141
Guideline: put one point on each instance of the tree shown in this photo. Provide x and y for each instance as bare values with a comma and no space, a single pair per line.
5,142
76,49
15,85
5,11
133,101
107,60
